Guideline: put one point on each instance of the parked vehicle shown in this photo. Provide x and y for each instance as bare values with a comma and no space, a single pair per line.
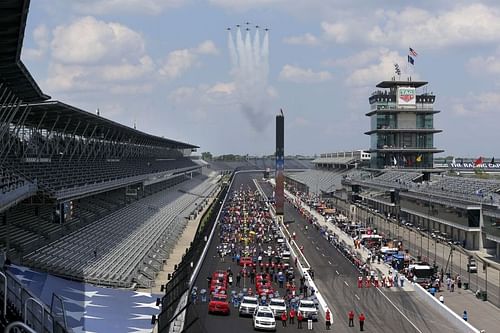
472,265
263,319
307,307
248,305
219,304
278,306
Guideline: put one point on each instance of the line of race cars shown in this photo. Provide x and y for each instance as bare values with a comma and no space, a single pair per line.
260,280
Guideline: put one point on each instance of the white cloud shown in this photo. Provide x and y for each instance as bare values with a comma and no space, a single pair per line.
461,25
207,47
300,75
356,60
243,5
94,55
305,39
180,61
127,71
100,7
201,101
477,104
41,36
481,65
339,32
222,88
177,62
90,41
382,70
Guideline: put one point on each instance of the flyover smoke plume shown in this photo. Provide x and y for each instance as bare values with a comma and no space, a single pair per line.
250,70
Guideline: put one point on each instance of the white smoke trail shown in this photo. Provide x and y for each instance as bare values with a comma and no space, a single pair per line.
250,71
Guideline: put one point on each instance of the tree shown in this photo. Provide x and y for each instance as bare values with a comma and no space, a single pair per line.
207,156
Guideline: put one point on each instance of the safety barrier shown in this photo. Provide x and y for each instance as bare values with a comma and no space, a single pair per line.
323,306
460,324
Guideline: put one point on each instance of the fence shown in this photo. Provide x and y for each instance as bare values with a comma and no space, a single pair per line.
22,304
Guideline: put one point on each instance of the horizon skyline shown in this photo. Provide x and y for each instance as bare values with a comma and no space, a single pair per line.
134,64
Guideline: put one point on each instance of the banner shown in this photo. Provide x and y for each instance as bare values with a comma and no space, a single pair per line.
406,96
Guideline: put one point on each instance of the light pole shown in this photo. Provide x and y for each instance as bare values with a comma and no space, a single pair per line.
26,311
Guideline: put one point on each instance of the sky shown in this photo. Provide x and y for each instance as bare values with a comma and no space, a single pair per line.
165,65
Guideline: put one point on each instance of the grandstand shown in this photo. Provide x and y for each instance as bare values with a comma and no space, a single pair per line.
316,181
111,252
261,164
83,197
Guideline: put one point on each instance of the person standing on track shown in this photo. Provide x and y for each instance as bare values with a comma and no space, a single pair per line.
328,318
361,321
283,319
292,316
300,317
350,315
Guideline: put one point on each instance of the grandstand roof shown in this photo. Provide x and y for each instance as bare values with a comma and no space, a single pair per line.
13,73
59,116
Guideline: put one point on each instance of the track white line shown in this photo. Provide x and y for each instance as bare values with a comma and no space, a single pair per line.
317,248
329,262
357,297
323,254
404,316
337,272
346,283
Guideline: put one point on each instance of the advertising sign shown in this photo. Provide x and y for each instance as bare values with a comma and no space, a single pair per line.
406,96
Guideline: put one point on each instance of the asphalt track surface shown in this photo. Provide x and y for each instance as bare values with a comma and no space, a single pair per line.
233,323
386,310
336,278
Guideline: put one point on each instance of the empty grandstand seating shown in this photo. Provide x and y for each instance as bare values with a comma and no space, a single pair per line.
472,189
397,177
319,180
261,164
127,245
63,174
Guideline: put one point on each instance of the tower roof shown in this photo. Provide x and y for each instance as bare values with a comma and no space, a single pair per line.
391,84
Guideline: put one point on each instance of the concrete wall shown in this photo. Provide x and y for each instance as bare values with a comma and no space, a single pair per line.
452,317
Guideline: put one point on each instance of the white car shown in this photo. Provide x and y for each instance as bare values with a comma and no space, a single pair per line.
278,306
307,307
248,305
263,319
285,255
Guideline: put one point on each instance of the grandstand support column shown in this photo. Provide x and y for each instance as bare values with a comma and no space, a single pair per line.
11,111
77,146
89,140
17,128
45,146
69,140
95,152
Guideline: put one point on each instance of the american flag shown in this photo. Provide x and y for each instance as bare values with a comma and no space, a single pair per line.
413,52
92,309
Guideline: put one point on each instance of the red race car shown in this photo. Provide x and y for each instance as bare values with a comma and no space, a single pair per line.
219,304
246,262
